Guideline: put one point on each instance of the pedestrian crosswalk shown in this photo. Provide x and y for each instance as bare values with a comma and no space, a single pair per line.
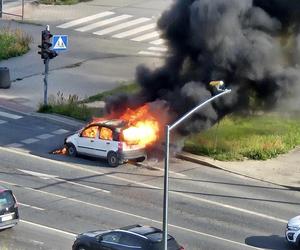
121,26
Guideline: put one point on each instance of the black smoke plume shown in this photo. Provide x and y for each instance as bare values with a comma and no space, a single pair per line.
252,45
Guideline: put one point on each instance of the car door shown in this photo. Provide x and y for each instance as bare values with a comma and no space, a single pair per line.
106,142
86,140
110,241
131,241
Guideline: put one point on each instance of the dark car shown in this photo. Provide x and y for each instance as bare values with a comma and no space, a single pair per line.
9,213
126,238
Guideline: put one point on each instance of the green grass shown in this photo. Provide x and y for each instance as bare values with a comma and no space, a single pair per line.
61,2
13,42
128,88
257,137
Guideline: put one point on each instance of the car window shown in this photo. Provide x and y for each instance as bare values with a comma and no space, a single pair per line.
90,132
131,240
112,237
6,199
106,134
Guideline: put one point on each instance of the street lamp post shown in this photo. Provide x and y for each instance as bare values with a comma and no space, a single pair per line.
168,129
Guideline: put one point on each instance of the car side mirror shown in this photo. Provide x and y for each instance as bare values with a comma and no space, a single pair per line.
100,238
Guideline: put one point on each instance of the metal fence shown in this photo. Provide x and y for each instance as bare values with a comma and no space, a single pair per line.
3,12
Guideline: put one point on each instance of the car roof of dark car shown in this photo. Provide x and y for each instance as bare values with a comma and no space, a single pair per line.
141,230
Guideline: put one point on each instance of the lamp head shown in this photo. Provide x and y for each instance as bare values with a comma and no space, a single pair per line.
219,85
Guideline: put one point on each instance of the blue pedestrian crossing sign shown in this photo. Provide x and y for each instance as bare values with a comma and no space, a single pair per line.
60,42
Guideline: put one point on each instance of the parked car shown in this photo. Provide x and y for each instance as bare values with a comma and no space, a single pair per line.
126,238
104,139
9,213
292,232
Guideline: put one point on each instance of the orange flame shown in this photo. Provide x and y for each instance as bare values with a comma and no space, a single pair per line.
143,128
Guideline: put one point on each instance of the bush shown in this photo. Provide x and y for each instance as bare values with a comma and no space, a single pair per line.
62,2
13,42
67,106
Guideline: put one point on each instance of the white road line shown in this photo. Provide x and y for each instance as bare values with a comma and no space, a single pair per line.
133,215
44,136
9,115
2,122
34,207
60,131
85,19
121,26
48,228
150,53
30,140
146,37
103,23
215,203
158,42
14,145
161,49
135,31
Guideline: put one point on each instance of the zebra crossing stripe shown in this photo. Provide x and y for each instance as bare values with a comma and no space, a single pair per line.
121,26
161,49
146,37
103,23
150,53
158,42
11,116
135,31
85,19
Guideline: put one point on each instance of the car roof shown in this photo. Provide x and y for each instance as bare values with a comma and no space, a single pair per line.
141,230
115,123
2,189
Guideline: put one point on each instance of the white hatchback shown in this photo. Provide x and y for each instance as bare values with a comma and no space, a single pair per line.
292,232
104,139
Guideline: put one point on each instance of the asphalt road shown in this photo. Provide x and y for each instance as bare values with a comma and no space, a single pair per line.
62,196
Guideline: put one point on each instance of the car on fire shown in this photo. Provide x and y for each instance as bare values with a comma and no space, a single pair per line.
9,213
104,139
292,231
126,238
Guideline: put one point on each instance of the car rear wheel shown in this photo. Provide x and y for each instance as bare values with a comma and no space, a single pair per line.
113,159
71,150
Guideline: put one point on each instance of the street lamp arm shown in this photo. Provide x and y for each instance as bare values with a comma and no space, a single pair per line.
198,107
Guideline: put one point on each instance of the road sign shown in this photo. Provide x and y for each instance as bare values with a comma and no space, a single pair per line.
60,42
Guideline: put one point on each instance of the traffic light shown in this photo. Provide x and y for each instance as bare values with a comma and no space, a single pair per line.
46,52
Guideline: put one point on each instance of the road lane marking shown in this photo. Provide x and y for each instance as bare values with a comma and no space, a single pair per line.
161,49
34,207
60,131
85,19
14,145
127,214
53,177
145,37
48,228
121,26
30,140
103,23
44,136
158,42
135,31
150,53
9,115
215,203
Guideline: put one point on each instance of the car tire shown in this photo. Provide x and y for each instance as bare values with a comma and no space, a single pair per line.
141,159
113,159
71,149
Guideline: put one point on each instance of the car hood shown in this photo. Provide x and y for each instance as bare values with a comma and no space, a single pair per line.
294,221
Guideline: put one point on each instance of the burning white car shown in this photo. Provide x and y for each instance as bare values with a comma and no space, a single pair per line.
116,140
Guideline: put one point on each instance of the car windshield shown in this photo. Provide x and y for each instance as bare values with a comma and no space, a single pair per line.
6,199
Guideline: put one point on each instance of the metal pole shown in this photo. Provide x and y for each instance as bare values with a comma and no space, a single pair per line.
22,10
166,189
1,8
46,61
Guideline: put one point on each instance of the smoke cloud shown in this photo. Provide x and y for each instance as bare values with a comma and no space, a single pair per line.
252,45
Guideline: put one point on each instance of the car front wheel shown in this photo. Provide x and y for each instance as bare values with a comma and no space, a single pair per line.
113,159
71,150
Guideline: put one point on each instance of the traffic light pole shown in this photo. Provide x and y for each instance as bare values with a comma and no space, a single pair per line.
46,62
